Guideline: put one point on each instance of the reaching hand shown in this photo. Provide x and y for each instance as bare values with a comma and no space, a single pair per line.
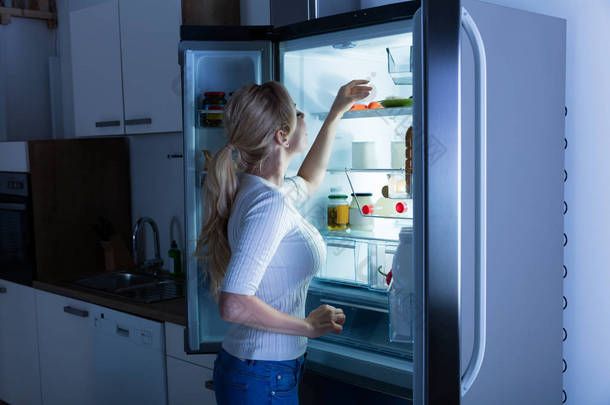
349,94
325,319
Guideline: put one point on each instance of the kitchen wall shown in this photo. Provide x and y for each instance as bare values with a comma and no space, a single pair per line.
25,106
587,193
157,189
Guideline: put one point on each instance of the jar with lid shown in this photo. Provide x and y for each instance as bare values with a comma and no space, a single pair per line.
360,218
213,100
338,211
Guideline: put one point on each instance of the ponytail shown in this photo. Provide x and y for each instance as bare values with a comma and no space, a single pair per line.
219,191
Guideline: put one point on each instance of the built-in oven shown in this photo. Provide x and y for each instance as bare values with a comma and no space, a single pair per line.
17,256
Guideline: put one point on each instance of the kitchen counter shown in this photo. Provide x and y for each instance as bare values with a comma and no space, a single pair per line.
164,311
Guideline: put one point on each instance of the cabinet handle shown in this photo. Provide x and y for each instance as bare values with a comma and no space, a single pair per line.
2,290
101,124
210,385
139,121
77,312
13,207
122,331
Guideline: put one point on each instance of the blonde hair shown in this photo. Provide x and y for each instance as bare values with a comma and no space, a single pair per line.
251,117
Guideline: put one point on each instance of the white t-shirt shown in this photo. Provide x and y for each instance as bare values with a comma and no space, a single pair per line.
275,253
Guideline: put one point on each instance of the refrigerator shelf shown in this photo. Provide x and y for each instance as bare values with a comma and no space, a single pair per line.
346,169
372,113
386,235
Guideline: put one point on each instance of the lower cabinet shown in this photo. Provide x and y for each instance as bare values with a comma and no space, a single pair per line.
188,383
65,339
189,376
19,368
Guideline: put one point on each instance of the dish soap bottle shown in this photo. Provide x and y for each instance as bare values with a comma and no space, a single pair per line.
176,262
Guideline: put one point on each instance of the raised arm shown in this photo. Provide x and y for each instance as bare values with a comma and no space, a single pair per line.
315,163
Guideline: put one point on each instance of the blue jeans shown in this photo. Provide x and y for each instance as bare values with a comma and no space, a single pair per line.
255,382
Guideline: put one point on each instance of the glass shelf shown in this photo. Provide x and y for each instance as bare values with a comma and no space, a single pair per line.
376,112
339,170
385,234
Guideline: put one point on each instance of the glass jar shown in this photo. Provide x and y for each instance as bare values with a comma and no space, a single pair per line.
360,218
338,212
213,100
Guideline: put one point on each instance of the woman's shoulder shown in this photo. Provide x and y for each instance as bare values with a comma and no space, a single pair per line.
253,194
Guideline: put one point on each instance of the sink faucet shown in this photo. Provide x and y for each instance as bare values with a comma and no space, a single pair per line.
155,263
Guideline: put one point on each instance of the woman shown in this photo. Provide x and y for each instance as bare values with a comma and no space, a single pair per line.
262,253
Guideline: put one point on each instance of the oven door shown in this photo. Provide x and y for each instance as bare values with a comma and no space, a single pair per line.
17,258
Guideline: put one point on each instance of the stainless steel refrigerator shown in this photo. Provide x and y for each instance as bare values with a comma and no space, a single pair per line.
466,210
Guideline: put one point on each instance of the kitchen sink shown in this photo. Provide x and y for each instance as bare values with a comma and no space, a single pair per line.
112,282
135,286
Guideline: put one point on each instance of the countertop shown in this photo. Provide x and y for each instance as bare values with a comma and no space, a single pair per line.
164,311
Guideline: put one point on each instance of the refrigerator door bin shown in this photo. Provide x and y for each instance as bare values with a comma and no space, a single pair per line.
366,318
400,65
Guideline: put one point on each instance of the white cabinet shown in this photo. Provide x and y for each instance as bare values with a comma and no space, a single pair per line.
152,88
65,344
96,69
66,355
189,376
125,68
187,383
19,368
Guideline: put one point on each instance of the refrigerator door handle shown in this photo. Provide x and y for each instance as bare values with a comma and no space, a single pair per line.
480,327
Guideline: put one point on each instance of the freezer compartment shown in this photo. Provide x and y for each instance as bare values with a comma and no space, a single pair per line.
367,318
360,262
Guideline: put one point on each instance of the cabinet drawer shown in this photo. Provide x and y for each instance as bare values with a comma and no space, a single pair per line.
187,383
64,307
174,346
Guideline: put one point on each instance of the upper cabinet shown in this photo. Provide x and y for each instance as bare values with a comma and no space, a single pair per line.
125,69
96,70
150,34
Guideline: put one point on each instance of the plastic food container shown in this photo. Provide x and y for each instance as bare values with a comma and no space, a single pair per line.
360,218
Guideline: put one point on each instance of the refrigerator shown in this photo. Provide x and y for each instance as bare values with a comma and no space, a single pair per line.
458,181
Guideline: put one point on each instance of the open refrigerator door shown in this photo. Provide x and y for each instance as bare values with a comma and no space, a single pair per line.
207,85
